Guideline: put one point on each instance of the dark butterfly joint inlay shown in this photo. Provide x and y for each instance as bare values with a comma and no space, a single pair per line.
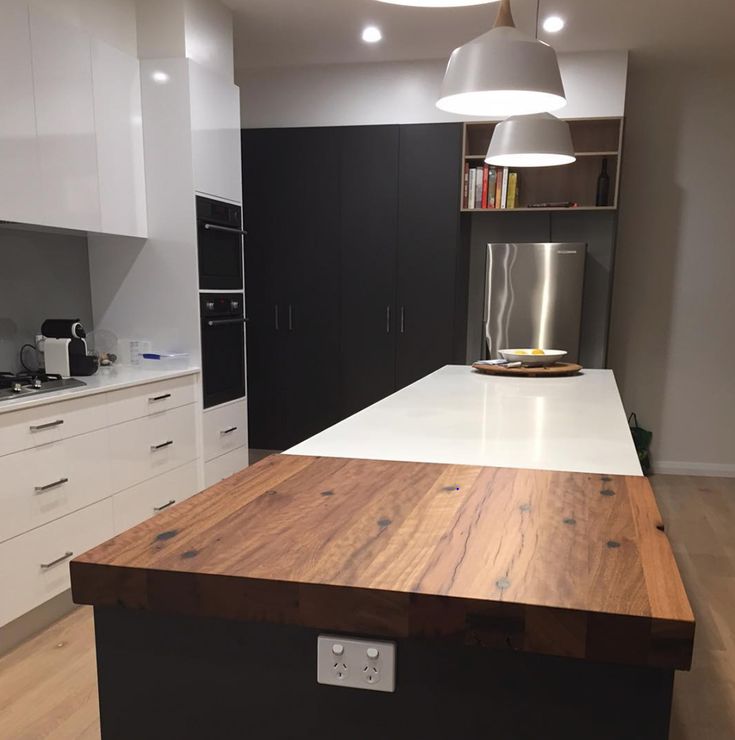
612,544
190,554
167,535
271,492
384,522
502,583
525,507
605,478
327,493
570,520
607,492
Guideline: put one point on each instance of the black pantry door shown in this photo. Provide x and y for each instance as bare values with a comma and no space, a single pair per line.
291,187
368,237
428,248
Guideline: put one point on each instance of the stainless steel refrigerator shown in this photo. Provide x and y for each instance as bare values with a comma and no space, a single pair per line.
533,297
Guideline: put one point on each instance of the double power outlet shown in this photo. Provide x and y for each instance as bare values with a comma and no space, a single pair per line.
357,664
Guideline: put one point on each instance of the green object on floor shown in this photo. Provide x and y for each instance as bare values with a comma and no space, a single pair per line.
642,441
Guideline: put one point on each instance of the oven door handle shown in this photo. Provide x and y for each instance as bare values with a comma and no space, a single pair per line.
228,229
224,322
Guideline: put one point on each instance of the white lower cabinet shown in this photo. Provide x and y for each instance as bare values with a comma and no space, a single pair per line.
146,447
225,429
34,566
224,466
136,504
75,472
52,480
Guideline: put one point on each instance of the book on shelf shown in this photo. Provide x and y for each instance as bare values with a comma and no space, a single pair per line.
466,185
504,189
491,183
512,200
485,173
471,188
478,187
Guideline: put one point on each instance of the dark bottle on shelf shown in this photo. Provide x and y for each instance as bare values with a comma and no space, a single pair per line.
603,186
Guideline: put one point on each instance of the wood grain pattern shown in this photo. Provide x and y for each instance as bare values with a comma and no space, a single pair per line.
549,371
555,563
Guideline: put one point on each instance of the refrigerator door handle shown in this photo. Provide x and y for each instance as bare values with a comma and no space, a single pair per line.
387,319
403,319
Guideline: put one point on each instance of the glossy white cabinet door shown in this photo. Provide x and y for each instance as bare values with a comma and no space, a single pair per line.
19,173
67,148
215,124
119,125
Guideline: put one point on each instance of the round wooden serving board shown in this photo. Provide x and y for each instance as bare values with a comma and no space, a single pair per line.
555,370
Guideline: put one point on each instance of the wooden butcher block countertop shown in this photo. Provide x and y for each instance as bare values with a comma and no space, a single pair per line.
567,564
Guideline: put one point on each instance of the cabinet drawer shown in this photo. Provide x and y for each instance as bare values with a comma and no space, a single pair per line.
148,399
52,480
26,428
225,429
224,466
34,567
143,448
143,501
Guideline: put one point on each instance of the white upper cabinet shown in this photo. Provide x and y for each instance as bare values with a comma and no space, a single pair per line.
19,174
65,126
119,127
71,138
215,124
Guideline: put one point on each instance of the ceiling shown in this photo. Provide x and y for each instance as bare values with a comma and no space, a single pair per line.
298,32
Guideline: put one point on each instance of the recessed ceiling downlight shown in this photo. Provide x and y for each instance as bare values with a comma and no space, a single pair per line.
371,35
553,24
437,3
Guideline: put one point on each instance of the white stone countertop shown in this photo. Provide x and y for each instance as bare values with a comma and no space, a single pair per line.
105,379
458,416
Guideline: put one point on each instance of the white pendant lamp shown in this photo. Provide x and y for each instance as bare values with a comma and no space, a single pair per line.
539,140
437,3
502,73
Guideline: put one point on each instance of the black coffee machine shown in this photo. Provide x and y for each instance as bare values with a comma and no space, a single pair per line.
65,348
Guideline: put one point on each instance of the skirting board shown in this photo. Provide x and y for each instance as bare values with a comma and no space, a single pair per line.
29,624
709,470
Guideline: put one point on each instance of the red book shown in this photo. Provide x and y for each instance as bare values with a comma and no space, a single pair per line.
466,185
484,185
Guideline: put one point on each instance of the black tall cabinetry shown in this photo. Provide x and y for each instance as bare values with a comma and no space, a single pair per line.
351,269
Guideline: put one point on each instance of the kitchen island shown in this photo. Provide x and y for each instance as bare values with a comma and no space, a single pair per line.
523,603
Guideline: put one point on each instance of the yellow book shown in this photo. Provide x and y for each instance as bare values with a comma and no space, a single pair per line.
512,190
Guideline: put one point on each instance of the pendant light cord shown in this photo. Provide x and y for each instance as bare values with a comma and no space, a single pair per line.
538,12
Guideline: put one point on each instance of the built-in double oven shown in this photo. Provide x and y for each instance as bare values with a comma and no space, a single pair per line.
221,300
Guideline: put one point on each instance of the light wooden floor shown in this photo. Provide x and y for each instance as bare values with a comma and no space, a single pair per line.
48,687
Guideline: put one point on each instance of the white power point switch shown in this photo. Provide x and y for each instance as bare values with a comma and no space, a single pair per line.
357,664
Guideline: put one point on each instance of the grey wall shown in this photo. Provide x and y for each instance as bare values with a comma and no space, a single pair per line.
597,230
671,339
42,275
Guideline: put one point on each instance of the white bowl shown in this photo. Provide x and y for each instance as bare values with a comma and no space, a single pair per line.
549,357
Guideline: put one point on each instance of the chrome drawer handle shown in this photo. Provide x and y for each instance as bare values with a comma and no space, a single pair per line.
49,425
162,445
49,486
64,557
159,398
228,431
165,506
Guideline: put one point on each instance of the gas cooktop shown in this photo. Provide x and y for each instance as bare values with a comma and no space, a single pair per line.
23,385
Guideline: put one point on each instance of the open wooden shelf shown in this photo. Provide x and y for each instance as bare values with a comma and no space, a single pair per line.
593,139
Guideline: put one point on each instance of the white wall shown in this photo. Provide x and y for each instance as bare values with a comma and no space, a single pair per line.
672,344
200,30
112,21
404,92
